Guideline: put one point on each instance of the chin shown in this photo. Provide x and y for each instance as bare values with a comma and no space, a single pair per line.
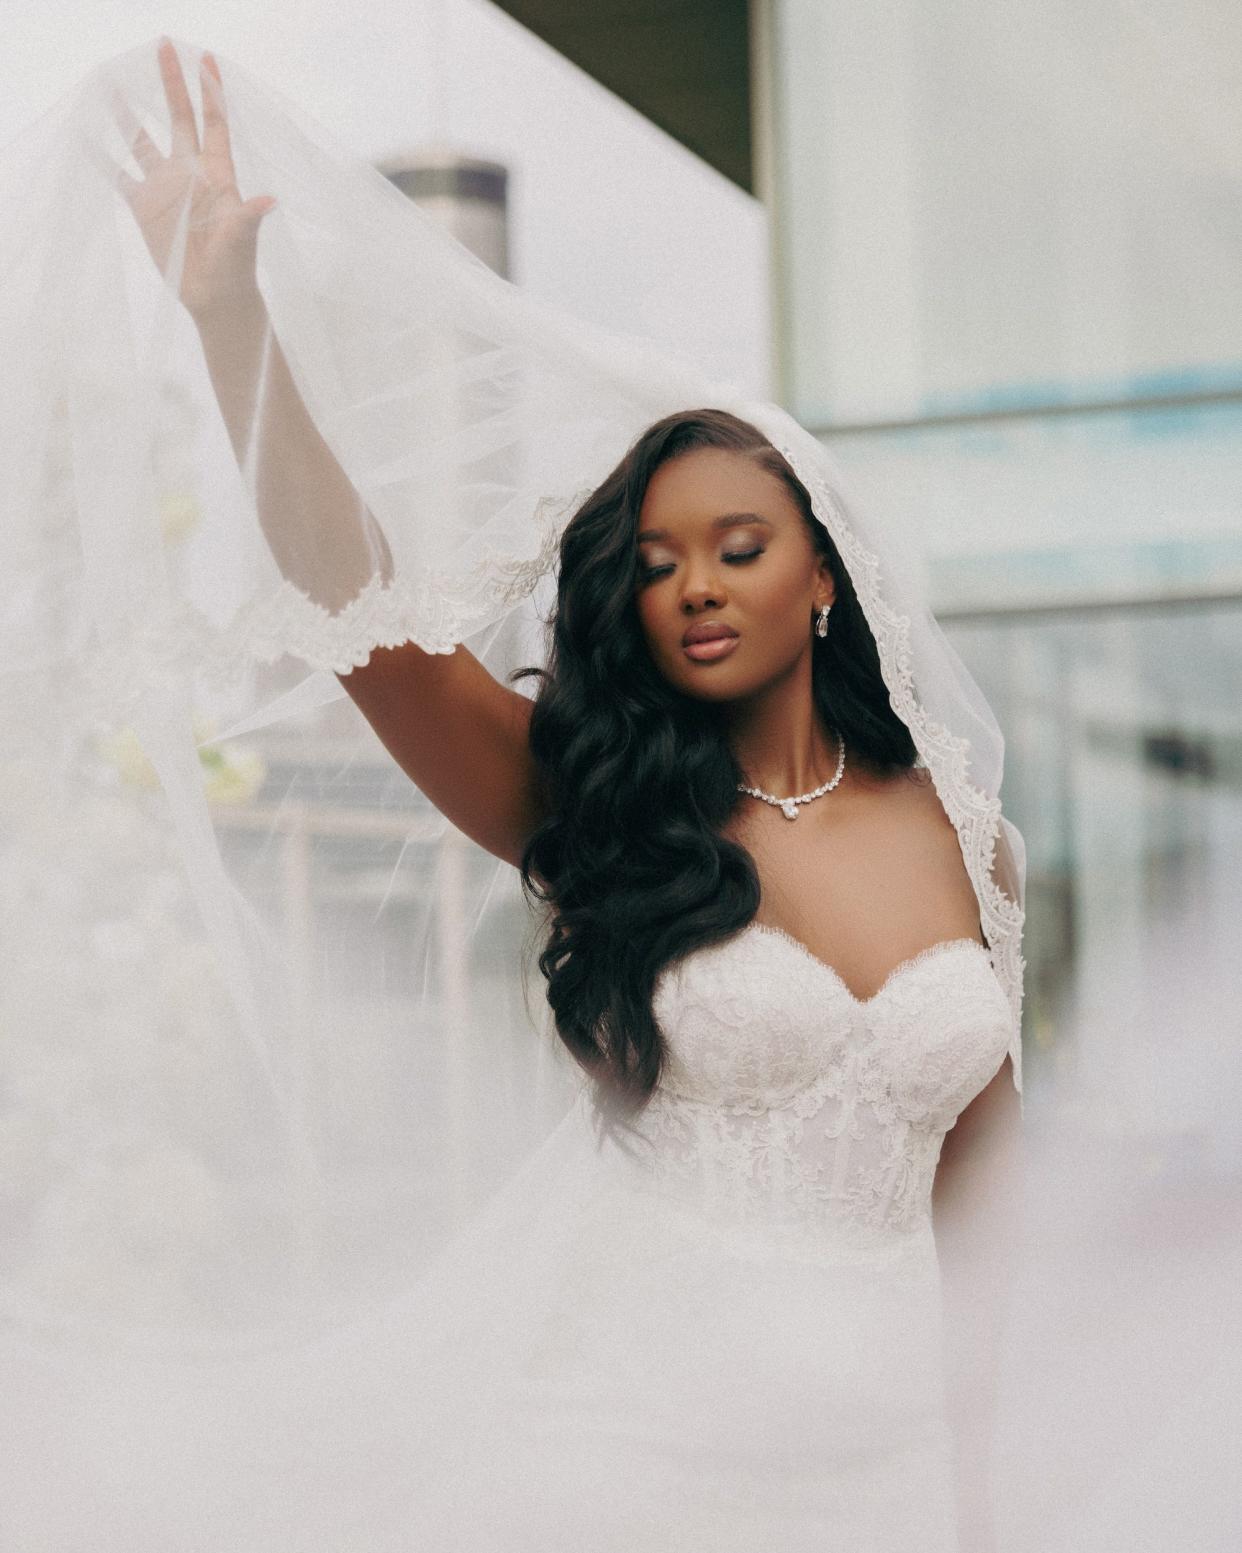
718,691
715,683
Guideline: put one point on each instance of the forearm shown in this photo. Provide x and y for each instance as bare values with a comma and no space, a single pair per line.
316,525
978,1307
979,1208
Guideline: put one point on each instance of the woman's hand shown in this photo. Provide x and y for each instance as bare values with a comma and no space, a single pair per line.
217,271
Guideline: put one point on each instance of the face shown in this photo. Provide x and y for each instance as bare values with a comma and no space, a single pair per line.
729,579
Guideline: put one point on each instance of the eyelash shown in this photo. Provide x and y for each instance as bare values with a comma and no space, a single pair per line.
652,574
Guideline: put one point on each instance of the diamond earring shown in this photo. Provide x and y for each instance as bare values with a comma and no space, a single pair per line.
821,625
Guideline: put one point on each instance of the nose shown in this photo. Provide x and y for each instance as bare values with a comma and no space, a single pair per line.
701,593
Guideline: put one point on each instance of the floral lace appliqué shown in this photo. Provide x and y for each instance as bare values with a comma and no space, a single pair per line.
787,1100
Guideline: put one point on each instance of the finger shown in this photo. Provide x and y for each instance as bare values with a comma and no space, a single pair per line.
180,108
145,152
215,120
255,209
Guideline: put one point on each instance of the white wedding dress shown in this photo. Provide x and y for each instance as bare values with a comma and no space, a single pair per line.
791,1397
723,1335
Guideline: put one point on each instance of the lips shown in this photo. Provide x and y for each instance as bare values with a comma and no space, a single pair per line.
709,641
706,631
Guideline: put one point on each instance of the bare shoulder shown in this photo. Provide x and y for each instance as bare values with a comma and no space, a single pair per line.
905,805
919,783
911,788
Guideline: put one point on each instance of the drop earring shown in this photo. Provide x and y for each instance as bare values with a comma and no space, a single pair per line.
821,625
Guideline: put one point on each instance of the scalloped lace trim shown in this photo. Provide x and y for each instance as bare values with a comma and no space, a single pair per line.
436,613
901,969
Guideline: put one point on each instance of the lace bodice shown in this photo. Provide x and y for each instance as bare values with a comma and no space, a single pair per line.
788,1100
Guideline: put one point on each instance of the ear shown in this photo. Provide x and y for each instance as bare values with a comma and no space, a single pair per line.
825,586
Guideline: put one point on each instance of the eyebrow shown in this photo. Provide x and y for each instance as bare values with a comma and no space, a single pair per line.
725,520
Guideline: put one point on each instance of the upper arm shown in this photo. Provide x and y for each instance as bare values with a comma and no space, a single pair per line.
981,1152
459,735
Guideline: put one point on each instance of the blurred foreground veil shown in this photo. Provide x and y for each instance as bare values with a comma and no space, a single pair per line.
271,1037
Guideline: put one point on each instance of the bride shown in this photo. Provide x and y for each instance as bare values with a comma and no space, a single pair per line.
781,921
764,947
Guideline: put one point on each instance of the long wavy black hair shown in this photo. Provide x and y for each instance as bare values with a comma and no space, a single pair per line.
640,778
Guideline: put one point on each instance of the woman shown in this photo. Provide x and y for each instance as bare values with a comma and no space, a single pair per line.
783,929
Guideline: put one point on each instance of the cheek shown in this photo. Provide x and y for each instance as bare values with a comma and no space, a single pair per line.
779,603
655,626
647,614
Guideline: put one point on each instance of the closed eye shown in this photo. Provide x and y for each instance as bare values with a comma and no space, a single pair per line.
734,558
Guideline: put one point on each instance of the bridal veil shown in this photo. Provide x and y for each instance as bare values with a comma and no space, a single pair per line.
271,1036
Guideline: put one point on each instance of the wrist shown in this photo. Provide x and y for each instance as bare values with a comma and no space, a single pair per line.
240,313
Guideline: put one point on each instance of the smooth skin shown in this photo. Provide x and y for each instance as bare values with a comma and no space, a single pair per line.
866,877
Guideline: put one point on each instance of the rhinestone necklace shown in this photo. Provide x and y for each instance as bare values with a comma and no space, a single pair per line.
789,806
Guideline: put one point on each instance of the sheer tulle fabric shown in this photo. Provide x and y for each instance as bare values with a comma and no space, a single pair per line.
272,1042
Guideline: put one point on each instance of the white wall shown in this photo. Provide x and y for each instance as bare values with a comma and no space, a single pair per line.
988,203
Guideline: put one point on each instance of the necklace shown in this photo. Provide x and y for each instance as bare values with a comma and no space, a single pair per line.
789,806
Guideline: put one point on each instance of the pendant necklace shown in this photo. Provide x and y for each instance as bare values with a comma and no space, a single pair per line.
789,806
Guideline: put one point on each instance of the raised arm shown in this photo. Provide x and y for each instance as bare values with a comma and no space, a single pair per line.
457,732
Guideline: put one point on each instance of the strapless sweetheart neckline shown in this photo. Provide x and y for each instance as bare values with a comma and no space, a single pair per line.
788,1102
899,970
